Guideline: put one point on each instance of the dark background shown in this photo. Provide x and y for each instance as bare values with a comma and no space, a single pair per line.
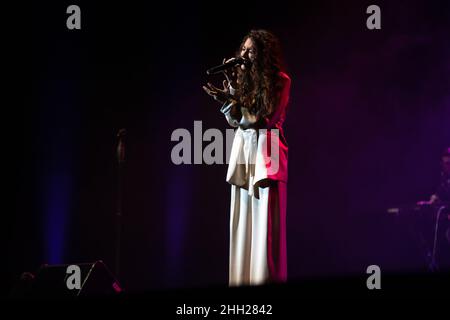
368,119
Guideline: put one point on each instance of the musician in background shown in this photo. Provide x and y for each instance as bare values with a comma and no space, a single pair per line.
438,247
442,198
442,193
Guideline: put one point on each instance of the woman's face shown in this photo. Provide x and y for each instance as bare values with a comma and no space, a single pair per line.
248,51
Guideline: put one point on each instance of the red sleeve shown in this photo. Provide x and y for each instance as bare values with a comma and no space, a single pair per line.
278,116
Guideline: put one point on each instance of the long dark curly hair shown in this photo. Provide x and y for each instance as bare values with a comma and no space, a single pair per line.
259,87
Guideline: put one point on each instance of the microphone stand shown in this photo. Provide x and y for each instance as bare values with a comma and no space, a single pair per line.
120,153
434,265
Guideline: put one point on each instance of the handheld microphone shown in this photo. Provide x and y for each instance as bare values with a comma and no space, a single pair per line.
233,62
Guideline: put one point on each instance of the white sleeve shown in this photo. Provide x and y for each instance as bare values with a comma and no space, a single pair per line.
226,110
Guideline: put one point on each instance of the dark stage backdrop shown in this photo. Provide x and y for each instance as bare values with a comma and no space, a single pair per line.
368,118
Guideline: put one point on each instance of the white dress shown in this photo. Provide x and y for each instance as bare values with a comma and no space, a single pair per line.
257,172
